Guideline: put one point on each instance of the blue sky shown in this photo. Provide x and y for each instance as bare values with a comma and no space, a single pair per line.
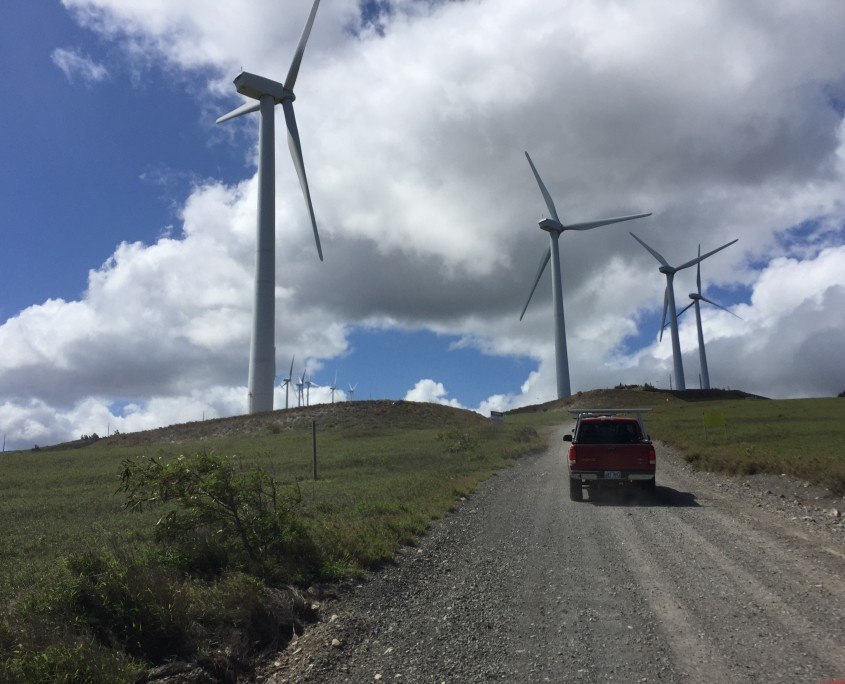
128,222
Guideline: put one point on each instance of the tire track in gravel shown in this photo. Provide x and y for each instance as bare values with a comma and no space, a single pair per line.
520,584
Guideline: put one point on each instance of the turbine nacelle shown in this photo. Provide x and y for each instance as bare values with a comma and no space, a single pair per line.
550,225
251,85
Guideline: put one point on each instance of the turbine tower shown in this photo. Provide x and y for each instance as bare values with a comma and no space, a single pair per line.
333,388
697,298
268,94
554,228
669,302
286,381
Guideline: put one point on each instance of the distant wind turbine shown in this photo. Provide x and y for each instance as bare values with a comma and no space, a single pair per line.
333,388
696,298
299,385
286,381
669,303
352,391
554,227
269,94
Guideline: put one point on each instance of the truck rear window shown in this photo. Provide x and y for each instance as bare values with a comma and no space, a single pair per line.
615,432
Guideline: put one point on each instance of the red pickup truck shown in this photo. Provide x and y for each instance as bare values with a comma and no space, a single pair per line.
609,448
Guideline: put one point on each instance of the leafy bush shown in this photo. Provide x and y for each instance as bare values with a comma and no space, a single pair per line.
224,516
458,441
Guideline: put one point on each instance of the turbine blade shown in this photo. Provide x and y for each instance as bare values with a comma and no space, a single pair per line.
296,154
603,222
719,306
245,108
678,315
293,72
653,253
702,258
546,195
543,262
290,372
665,306
698,272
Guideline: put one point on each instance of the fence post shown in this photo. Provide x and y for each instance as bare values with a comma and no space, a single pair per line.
314,442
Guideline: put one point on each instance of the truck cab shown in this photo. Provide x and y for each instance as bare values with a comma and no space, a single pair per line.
609,447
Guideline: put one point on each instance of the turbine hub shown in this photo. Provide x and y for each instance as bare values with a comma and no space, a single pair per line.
694,295
551,226
667,270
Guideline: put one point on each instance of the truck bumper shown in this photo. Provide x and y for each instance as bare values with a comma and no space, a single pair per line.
610,475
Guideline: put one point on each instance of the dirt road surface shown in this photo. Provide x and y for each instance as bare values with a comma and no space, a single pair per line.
705,582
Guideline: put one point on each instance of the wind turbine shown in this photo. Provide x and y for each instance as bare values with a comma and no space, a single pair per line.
333,388
299,385
286,381
554,228
696,298
352,391
307,381
269,94
669,302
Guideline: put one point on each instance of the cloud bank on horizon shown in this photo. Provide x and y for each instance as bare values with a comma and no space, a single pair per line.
724,119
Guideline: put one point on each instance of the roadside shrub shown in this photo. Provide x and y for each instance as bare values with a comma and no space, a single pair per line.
223,517
458,441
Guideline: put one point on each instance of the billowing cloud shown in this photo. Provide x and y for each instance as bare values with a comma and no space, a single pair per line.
724,119
432,392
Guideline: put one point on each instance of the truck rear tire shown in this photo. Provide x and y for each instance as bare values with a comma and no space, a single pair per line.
576,493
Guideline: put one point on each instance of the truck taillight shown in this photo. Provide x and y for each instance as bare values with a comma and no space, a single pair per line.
572,455
651,454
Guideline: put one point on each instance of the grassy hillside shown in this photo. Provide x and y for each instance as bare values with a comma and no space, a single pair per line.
800,437
385,470
91,593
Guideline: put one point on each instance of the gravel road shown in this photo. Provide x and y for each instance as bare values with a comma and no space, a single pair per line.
712,580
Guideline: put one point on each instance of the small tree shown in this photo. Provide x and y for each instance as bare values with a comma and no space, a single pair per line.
224,516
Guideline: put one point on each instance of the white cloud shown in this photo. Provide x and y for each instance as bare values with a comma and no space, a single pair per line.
432,392
724,119
75,65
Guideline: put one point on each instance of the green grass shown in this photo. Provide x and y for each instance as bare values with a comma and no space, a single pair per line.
800,437
377,488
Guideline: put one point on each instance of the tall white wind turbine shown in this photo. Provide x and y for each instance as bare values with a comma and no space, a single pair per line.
697,298
269,94
554,228
669,303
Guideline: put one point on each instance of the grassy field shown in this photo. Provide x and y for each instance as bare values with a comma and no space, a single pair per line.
385,471
801,437
380,484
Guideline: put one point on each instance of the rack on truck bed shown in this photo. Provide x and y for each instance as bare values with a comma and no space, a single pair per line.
598,413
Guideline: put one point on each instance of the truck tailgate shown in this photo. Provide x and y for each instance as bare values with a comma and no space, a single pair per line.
613,457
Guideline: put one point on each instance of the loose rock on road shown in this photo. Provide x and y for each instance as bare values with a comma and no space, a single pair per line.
519,584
